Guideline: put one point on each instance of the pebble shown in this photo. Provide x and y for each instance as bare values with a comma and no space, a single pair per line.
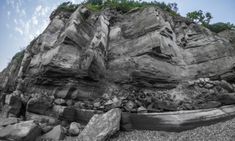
223,131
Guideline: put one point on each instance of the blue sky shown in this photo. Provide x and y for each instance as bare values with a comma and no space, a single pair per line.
22,20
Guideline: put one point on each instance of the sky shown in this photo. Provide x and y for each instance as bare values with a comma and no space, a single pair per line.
23,20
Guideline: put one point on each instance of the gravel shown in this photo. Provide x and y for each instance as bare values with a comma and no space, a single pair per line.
223,131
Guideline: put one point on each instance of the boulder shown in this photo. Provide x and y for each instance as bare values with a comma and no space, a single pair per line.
210,104
68,114
15,104
45,127
100,127
69,102
74,129
226,86
56,134
227,99
39,104
58,110
23,131
41,118
62,93
8,121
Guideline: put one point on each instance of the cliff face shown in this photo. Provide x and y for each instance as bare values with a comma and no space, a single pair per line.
87,54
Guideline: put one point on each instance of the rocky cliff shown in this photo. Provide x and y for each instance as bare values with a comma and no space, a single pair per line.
85,55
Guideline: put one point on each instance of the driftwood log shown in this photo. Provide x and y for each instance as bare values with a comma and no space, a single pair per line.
168,121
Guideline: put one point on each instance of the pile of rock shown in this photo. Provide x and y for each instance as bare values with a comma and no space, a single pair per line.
99,128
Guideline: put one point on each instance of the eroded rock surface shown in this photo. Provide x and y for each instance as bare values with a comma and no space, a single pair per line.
24,131
83,56
100,127
142,61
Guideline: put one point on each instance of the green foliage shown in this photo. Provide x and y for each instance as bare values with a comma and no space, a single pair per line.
67,7
64,7
95,2
200,17
204,19
127,5
218,27
18,56
94,7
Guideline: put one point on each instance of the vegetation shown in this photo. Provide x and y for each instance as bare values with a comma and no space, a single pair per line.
200,17
64,7
218,27
124,6
18,56
67,6
127,5
204,19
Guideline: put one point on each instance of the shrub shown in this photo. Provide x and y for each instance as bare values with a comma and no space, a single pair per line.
18,56
93,7
218,27
64,7
67,7
126,5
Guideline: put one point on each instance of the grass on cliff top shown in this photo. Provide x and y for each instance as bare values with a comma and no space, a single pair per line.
119,5
127,5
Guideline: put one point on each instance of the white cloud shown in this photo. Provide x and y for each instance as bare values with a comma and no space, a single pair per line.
31,25
34,20
19,30
38,8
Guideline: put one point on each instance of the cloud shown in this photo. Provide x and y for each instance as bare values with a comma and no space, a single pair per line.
38,8
34,20
19,30
30,27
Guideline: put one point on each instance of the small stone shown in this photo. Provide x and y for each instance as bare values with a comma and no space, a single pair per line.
79,105
97,104
208,86
74,128
106,96
64,123
60,101
129,105
142,110
45,128
206,79
69,102
58,109
109,102
57,133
